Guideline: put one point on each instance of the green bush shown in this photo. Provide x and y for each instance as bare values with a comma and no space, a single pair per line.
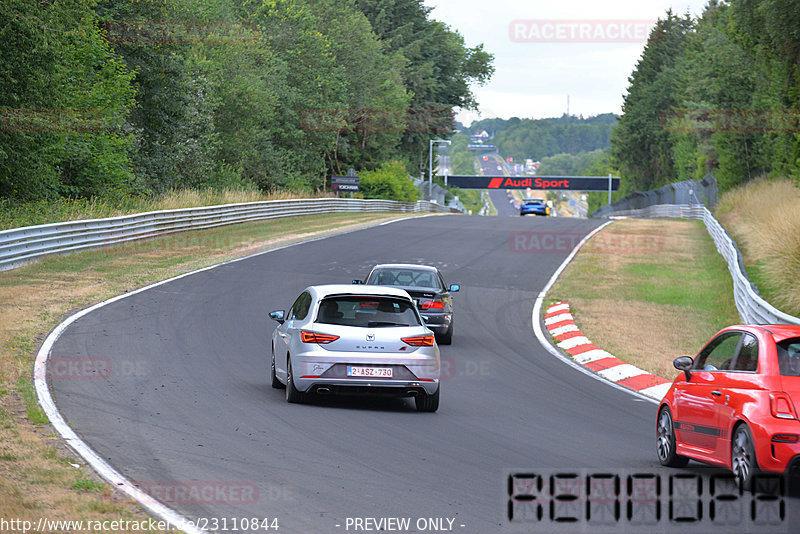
390,182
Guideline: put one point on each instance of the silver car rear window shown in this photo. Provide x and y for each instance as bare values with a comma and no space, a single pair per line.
367,311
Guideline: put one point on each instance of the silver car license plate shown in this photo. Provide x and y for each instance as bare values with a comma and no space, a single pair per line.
370,372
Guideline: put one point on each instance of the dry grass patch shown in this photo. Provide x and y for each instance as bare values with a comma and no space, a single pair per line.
627,328
649,290
190,198
37,478
764,219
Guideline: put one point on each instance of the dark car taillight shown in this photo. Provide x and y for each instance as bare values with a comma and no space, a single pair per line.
432,305
308,336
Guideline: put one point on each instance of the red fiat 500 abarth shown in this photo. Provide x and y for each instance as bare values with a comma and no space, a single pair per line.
736,404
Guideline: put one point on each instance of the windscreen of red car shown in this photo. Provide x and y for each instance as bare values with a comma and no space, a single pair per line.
367,311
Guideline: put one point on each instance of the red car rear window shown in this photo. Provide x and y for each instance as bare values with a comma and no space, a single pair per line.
789,357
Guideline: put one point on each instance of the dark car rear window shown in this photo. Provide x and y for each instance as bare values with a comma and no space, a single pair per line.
404,278
367,311
789,357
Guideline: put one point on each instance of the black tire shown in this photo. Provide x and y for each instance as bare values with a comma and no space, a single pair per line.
293,395
275,382
665,440
447,337
428,403
743,457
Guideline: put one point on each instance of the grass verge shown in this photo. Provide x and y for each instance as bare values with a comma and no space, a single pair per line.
472,199
39,477
763,219
649,291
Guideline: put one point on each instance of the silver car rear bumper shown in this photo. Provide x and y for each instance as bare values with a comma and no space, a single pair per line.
418,371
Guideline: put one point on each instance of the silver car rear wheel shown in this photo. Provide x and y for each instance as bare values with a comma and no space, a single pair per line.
275,382
428,403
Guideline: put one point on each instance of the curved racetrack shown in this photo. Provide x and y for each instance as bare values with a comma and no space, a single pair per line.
188,404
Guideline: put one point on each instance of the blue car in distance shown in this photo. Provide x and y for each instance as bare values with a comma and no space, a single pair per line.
534,206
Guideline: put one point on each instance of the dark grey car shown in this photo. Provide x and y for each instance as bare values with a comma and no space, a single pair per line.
426,286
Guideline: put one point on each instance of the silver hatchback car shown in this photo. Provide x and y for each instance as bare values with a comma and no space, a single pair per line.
355,340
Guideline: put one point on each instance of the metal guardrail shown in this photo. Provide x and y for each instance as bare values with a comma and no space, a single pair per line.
20,246
703,191
752,308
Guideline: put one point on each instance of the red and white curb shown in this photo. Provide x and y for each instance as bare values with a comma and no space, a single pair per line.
559,321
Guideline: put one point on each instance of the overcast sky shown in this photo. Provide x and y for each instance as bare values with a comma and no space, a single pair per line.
542,54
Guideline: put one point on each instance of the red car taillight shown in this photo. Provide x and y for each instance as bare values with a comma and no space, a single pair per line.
432,305
418,341
785,438
781,406
308,336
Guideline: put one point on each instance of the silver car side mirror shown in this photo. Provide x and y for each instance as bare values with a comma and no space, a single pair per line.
278,315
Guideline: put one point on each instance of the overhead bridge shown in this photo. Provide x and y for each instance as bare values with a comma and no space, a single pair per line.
551,183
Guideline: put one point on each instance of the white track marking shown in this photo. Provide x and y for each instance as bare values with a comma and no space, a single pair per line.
78,445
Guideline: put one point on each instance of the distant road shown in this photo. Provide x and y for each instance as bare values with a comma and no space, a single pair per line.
501,203
494,165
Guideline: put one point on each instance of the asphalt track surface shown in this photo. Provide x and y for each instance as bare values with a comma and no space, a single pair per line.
187,401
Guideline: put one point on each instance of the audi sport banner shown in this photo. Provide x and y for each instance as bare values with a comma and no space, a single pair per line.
576,183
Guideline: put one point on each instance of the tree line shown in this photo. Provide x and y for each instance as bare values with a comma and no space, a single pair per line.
541,138
719,93
566,145
120,97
